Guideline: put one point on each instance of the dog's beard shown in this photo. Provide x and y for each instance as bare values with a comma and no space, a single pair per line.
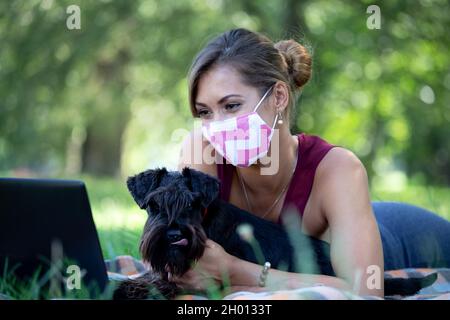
164,256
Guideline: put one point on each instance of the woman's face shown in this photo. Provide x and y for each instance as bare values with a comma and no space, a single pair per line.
221,94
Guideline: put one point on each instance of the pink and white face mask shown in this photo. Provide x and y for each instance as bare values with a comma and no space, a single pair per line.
243,139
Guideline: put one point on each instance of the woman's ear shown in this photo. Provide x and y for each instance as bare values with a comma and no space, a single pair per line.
143,183
280,96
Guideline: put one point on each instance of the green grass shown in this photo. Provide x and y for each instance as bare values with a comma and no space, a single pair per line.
436,199
118,218
120,221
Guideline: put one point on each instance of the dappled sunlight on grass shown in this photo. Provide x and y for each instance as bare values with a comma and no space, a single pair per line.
393,181
436,199
103,191
119,228
118,241
113,215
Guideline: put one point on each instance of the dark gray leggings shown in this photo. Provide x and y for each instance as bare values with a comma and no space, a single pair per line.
412,237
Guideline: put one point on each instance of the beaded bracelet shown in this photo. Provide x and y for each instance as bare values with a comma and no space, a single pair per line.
263,276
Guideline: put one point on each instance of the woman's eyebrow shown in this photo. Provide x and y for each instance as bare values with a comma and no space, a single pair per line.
222,99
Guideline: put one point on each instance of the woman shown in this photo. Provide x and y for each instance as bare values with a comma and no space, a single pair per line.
242,82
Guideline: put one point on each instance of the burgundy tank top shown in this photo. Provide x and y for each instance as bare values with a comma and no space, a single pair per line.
311,151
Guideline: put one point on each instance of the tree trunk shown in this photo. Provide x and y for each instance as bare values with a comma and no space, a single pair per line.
102,147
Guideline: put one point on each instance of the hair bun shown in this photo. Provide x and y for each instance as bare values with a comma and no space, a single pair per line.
298,61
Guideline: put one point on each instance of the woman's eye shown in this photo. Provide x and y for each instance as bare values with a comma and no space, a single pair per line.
203,113
232,106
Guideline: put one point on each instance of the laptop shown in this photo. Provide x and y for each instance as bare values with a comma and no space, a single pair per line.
47,232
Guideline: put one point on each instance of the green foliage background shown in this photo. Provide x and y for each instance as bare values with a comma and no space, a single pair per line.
105,99
111,99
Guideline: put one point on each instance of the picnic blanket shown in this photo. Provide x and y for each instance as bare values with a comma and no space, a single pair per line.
124,267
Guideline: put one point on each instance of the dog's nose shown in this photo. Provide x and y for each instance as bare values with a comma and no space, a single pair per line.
174,235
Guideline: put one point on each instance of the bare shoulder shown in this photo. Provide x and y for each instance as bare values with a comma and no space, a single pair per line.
343,182
339,162
340,184
191,154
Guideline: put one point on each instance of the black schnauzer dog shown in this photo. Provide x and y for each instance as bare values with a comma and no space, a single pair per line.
184,210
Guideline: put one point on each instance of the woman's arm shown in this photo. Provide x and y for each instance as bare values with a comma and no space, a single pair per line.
356,249
247,274
216,266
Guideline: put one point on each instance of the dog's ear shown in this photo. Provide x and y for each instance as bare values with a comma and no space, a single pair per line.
143,183
205,185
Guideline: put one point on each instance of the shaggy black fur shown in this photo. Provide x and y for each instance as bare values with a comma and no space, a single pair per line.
176,232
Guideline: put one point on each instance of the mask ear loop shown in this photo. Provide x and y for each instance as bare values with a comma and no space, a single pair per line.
274,121
259,103
262,99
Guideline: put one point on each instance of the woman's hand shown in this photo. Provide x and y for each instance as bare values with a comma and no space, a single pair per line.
216,263
208,270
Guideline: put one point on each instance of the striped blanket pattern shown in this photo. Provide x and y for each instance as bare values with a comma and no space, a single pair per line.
124,267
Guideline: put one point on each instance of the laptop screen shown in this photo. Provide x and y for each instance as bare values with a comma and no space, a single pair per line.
47,223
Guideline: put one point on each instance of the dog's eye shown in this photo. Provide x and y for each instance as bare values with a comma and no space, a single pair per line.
195,203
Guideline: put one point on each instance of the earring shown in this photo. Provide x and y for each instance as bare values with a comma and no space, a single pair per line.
280,118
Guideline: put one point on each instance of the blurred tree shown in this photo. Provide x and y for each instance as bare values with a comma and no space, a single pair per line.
50,81
108,96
